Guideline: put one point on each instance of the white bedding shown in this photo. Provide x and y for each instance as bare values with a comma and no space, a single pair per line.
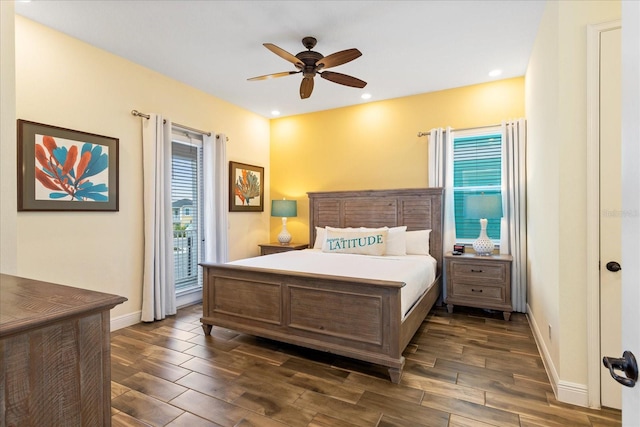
417,272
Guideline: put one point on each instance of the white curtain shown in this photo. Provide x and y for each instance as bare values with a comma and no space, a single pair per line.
441,175
216,203
158,284
513,228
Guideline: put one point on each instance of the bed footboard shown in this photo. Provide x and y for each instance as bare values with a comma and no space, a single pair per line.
355,318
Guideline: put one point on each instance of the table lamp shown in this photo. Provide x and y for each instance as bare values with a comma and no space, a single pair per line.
483,206
284,208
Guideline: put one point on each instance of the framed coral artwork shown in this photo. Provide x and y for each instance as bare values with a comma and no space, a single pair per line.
66,170
246,188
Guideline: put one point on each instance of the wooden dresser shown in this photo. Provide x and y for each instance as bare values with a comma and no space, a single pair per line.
479,281
55,352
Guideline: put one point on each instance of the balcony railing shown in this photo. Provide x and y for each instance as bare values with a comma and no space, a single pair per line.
185,256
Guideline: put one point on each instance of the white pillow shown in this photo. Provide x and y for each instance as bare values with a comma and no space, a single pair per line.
417,242
397,241
356,241
320,238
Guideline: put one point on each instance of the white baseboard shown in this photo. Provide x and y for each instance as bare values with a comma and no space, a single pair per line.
134,318
125,320
565,391
552,373
573,393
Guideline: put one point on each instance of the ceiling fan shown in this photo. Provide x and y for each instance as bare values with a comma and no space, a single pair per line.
310,63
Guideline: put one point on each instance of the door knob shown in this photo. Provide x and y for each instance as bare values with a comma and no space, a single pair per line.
613,266
627,364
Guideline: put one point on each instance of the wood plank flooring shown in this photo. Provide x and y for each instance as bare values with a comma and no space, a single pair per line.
469,368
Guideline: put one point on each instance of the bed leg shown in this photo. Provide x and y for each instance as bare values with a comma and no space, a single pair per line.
206,328
395,374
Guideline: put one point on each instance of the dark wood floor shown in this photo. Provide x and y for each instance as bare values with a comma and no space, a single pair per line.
470,368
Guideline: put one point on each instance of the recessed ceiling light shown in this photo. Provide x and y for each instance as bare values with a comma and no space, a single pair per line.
366,96
275,113
495,73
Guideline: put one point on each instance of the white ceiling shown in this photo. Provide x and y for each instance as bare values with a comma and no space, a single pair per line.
408,47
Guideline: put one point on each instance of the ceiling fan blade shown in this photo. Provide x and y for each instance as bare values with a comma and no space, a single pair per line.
271,76
338,58
284,54
306,87
343,79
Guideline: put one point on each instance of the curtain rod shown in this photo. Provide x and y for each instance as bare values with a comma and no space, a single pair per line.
420,134
187,128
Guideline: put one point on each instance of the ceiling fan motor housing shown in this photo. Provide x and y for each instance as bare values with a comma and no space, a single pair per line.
309,58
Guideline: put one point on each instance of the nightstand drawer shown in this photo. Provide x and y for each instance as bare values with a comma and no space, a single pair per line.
479,292
493,272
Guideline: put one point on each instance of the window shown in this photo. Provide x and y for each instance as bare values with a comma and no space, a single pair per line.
186,199
477,169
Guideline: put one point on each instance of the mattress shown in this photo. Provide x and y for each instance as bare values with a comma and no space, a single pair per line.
416,272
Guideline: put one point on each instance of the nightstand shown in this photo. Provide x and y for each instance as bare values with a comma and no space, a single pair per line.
479,281
274,248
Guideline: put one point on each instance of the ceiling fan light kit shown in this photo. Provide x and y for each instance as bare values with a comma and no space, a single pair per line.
310,63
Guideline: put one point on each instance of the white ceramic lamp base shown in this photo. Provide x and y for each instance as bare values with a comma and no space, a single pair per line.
483,244
284,237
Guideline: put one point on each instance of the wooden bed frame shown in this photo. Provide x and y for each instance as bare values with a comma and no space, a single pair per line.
356,318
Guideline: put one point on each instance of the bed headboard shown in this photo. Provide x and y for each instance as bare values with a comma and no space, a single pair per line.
417,208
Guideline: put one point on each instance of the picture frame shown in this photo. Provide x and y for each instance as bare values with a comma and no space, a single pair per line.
246,188
62,169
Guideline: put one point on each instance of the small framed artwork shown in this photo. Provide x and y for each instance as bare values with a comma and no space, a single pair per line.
246,188
66,170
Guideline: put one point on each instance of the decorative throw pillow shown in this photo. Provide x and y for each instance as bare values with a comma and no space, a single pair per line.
356,241
418,242
334,229
321,235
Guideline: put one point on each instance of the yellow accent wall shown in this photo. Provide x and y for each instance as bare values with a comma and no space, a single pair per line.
375,145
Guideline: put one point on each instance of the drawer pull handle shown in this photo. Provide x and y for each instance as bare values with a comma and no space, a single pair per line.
476,290
476,271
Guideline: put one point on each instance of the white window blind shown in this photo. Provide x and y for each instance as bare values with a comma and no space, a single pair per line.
477,169
186,198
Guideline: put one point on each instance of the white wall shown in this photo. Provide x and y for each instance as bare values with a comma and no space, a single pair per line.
556,179
8,204
543,167
64,82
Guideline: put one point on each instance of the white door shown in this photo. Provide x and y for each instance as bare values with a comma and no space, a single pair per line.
631,199
610,211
